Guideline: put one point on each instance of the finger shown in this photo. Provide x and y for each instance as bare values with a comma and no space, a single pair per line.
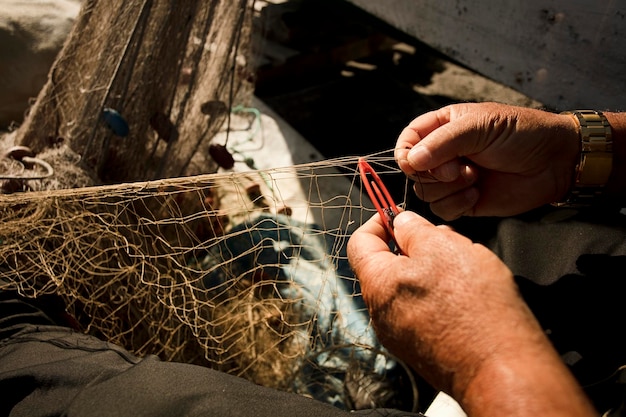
419,128
448,171
431,190
407,218
456,138
456,205
445,227
430,121
373,226
405,142
409,229
372,262
369,239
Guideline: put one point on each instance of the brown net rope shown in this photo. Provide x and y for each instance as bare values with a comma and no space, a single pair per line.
222,270
140,86
240,271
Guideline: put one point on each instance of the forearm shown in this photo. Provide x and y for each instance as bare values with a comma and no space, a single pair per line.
513,369
522,386
616,187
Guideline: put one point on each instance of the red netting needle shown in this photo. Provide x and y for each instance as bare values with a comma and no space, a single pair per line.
380,197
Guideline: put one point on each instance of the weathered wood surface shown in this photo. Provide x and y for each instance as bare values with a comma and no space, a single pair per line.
564,53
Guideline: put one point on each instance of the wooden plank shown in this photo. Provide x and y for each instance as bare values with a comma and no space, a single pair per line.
564,53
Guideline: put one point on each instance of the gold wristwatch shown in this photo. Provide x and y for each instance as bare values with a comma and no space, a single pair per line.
596,158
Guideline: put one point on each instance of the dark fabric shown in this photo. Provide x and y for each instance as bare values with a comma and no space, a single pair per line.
51,370
551,243
570,266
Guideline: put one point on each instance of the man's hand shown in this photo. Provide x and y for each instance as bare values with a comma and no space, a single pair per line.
451,310
489,159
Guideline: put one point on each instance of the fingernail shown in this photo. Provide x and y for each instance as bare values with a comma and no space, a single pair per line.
419,157
404,217
469,175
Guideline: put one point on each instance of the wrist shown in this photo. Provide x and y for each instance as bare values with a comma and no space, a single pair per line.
570,154
516,371
528,381
594,163
522,375
616,185
514,338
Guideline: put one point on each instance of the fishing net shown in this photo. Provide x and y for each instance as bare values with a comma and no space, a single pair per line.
222,270
140,86
117,198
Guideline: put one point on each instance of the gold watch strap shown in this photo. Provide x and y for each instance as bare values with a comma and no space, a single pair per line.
596,158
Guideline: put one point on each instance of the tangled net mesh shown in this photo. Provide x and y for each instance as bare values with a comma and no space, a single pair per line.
140,86
223,270
150,246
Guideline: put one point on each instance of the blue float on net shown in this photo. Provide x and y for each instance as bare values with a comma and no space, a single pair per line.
116,122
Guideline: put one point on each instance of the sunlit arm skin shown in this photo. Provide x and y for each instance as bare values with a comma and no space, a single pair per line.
451,310
491,159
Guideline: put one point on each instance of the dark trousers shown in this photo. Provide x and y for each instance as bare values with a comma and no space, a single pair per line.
52,370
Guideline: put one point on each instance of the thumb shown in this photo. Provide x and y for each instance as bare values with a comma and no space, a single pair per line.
456,136
405,218
407,227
